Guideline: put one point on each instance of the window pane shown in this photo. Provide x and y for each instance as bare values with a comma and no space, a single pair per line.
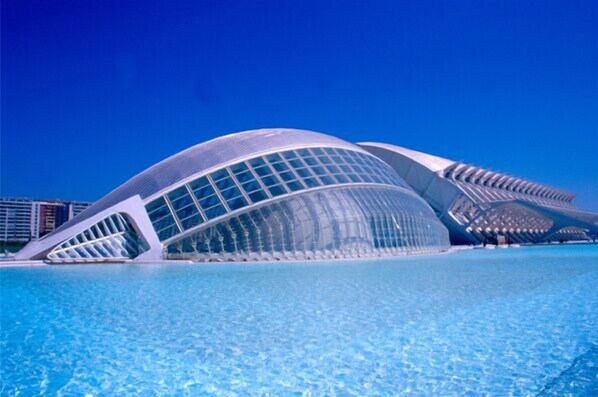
163,223
294,186
157,203
290,155
326,180
209,202
230,193
366,178
337,159
324,159
273,158
238,168
311,161
215,211
303,172
311,182
168,232
269,181
201,187
342,179
333,169
296,164
376,178
280,167
350,159
244,176
191,221
276,190
263,171
355,178
319,170
287,176
186,212
257,196
224,183
346,169
251,186
181,202
157,209
257,162
216,176
237,203
176,193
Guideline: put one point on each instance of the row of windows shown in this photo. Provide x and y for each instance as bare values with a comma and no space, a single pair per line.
260,178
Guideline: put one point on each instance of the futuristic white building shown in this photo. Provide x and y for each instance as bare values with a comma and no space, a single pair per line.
478,205
267,194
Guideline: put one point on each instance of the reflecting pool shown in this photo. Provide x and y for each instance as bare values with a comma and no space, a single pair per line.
519,320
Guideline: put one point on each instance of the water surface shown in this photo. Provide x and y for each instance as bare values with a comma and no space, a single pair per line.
521,321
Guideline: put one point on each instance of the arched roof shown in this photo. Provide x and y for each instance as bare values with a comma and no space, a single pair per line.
461,172
206,156
433,163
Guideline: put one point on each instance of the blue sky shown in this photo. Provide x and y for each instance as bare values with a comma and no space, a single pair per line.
95,92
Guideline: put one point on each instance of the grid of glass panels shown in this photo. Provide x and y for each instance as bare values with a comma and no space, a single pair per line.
229,191
347,222
249,182
184,207
207,198
162,218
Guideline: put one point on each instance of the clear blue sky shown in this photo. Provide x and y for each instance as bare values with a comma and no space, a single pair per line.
95,92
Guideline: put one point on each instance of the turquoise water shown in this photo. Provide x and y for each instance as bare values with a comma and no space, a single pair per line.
509,321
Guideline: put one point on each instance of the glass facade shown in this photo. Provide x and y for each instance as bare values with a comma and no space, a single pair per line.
347,221
249,182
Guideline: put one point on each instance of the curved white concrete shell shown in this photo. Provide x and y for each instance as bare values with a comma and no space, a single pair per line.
479,205
267,194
